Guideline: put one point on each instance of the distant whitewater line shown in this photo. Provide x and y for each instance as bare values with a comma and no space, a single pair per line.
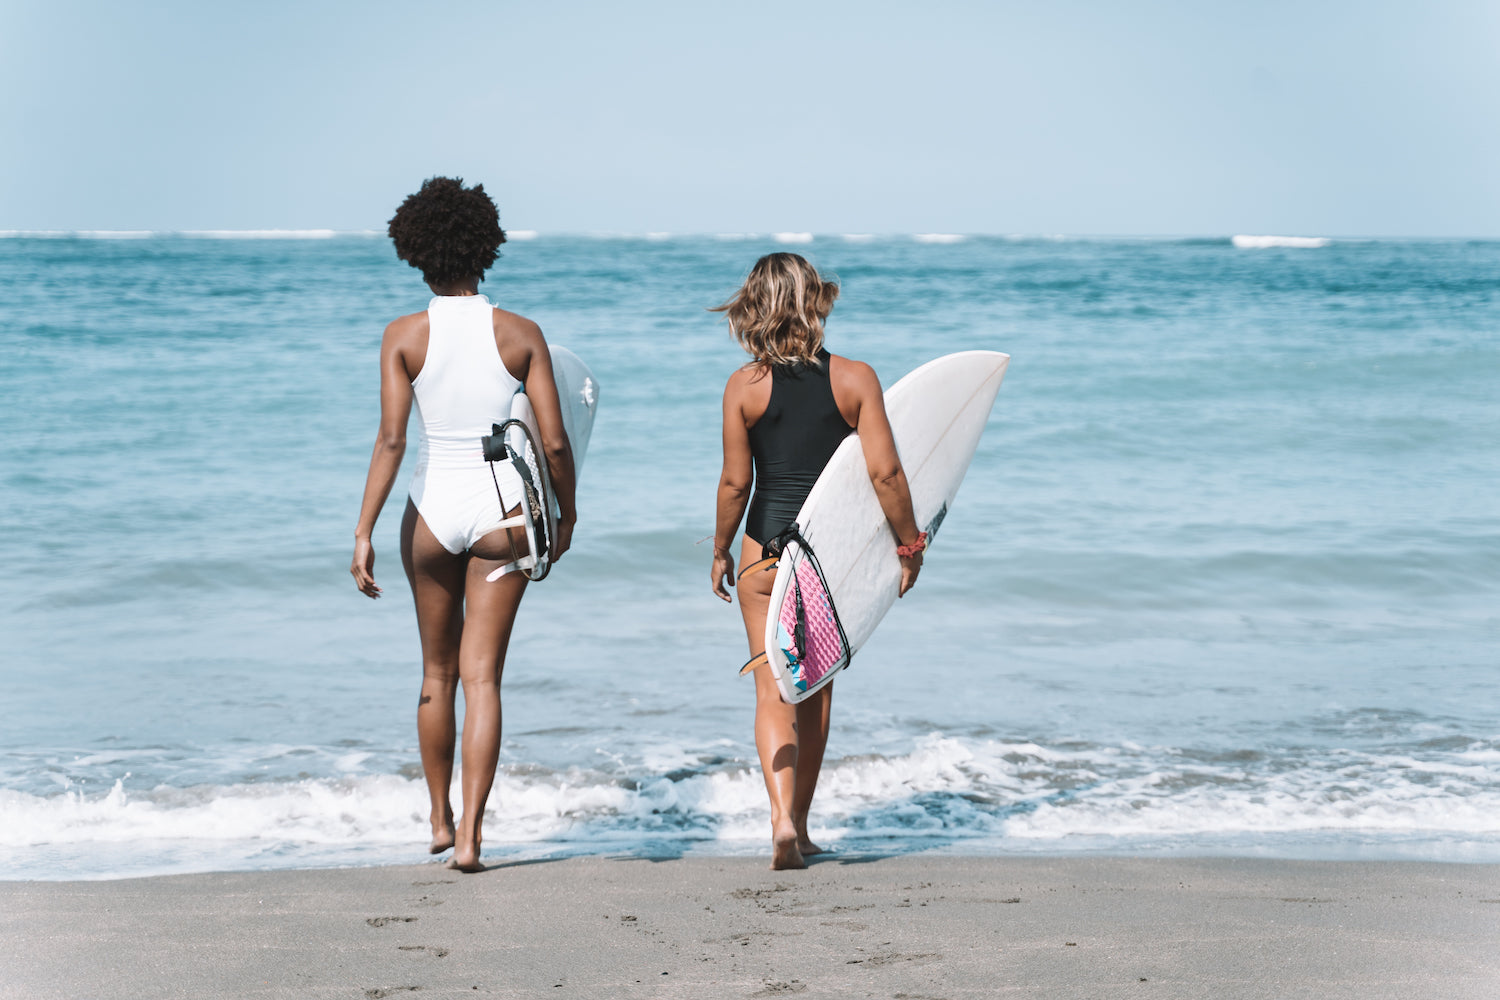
1241,241
200,234
79,234
1267,242
261,234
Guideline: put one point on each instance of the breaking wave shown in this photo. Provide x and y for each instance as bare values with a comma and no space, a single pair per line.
1270,242
989,796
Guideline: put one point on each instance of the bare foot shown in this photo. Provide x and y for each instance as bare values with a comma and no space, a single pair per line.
465,861
466,857
785,855
804,842
442,837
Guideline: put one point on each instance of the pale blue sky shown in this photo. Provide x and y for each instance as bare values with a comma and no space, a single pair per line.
1322,118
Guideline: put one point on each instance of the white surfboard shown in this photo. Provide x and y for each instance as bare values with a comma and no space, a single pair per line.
937,415
578,392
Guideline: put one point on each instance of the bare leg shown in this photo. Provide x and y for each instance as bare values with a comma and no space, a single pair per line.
437,586
775,720
490,615
812,738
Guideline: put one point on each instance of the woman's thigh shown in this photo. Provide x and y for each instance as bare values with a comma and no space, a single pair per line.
755,601
437,586
754,591
491,605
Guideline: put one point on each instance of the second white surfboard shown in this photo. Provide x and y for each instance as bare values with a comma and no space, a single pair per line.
937,414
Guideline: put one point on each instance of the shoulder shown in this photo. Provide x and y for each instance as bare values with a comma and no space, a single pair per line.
747,377
520,343
404,329
515,325
748,391
846,373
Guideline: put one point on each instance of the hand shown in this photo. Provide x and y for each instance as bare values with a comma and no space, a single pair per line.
910,567
722,569
564,538
362,566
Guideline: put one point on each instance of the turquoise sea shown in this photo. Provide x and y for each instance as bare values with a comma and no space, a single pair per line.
1223,579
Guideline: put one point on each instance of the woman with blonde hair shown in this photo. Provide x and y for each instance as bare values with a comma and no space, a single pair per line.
785,413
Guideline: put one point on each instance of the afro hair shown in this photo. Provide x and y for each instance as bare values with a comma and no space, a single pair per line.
447,231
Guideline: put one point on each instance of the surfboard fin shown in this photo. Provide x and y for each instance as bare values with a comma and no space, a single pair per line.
753,662
762,564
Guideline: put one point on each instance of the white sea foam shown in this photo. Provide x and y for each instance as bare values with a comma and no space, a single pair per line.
859,237
521,234
985,794
938,237
793,237
1268,242
736,237
215,234
261,234
658,236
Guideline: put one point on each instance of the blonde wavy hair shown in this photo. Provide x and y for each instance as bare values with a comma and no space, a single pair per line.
778,313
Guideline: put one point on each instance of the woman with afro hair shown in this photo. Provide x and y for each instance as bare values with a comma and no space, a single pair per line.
461,360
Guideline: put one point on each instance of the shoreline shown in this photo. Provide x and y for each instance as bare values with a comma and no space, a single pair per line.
851,925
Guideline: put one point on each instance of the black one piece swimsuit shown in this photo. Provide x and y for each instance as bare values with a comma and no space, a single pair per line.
791,443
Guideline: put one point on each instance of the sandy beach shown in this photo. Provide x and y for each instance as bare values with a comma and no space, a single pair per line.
901,927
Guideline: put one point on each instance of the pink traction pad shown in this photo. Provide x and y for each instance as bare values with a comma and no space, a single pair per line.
825,647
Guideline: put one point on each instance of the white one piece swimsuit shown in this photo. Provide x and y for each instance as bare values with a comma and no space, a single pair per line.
462,390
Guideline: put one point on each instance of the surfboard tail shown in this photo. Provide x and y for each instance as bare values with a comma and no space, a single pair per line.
810,646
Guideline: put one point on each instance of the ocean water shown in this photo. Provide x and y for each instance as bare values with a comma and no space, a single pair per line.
1223,578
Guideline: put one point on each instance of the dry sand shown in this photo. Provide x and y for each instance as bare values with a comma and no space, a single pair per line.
910,927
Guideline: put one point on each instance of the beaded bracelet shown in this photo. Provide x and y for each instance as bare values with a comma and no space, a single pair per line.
907,551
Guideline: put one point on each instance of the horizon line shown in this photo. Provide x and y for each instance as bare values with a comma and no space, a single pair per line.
779,236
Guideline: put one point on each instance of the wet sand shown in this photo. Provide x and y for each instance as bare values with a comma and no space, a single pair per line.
911,927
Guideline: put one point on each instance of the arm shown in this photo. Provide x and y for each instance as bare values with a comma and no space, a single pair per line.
541,389
385,461
734,486
884,466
